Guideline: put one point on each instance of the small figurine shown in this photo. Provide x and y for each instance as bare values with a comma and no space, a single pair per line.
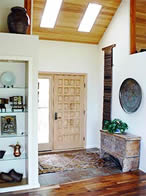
3,101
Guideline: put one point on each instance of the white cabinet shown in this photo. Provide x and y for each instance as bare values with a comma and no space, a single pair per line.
16,53
14,122
22,132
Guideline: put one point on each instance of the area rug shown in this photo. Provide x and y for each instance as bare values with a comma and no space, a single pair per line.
68,161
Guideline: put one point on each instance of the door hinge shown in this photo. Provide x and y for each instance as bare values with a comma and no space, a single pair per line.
84,112
84,85
83,138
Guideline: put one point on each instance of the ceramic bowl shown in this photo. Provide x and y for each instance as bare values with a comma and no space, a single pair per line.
8,79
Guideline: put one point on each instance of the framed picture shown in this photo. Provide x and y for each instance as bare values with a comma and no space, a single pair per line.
2,104
17,103
8,125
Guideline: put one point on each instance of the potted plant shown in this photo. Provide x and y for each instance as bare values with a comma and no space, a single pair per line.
115,126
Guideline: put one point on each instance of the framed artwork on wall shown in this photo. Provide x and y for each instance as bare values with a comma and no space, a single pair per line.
17,103
8,125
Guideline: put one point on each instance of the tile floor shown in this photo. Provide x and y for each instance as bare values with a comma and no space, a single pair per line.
76,175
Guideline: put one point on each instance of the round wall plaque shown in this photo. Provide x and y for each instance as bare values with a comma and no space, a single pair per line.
130,95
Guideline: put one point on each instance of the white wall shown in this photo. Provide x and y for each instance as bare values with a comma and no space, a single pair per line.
126,66
5,9
75,58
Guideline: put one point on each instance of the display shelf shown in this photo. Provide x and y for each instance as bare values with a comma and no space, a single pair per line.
18,135
23,88
18,123
11,184
11,157
10,112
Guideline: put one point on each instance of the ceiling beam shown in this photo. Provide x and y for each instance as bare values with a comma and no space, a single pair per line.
108,49
132,26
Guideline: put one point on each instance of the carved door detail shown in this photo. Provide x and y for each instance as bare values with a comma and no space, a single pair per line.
69,115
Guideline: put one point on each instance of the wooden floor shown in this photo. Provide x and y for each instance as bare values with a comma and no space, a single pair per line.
125,184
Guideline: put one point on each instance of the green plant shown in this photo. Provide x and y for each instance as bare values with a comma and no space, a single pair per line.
115,125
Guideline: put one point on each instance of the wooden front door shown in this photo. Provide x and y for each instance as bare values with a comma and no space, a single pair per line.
69,112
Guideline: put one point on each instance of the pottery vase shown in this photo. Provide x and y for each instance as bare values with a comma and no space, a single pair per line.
18,20
17,152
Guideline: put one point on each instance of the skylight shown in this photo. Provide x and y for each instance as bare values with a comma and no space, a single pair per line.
89,18
50,14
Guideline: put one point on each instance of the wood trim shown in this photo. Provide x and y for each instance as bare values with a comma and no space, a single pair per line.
109,47
85,109
27,6
107,96
62,73
132,26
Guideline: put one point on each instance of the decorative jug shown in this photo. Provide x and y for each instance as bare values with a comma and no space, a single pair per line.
16,148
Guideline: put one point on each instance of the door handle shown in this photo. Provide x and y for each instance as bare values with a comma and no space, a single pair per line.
56,116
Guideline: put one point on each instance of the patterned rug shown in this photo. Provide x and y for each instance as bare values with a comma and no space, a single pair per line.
71,160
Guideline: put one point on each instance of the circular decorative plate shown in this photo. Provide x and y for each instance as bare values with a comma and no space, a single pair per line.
7,79
130,95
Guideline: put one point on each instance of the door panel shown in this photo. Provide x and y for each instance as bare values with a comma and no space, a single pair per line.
44,111
68,112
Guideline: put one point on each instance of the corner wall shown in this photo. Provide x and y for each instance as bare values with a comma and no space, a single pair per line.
76,58
125,66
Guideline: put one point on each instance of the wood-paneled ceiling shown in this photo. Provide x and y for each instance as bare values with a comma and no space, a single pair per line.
69,18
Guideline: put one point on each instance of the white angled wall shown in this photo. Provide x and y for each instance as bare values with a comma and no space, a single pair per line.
76,58
125,66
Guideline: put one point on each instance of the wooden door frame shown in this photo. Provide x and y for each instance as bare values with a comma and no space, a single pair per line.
45,74
40,76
